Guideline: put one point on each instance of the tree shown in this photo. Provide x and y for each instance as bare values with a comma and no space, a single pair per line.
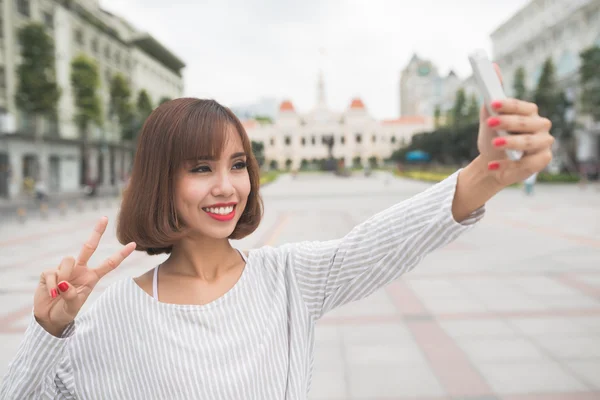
120,106
263,119
37,92
459,108
519,89
144,106
554,104
85,81
546,95
589,75
472,109
437,112
164,99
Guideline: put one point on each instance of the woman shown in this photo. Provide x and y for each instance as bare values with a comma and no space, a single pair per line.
214,323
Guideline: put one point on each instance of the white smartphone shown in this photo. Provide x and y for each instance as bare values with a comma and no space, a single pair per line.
490,88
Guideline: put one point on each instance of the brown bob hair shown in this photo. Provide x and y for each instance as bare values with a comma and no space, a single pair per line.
177,131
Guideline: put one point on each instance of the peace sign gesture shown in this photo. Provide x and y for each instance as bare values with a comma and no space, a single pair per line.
62,291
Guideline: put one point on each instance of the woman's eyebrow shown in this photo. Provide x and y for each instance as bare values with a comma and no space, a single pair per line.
209,158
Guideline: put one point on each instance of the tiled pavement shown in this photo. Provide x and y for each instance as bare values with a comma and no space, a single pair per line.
511,310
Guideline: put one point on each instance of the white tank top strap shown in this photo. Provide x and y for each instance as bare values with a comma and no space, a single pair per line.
243,256
155,283
155,278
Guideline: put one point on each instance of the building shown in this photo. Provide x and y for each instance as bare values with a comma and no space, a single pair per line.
53,152
422,88
296,140
559,30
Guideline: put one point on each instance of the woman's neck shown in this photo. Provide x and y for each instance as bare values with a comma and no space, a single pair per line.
204,259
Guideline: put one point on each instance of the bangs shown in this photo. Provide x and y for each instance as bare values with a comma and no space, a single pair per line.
203,133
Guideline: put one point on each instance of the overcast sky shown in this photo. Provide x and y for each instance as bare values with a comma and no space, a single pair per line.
239,51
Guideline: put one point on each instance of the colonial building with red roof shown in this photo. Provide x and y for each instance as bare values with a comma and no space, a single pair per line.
296,139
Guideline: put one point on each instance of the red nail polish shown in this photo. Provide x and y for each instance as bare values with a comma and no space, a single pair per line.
493,165
54,293
63,286
493,122
500,141
496,104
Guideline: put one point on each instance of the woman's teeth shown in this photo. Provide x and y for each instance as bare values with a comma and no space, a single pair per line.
219,210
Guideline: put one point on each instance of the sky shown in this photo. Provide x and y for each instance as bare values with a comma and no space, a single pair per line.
240,51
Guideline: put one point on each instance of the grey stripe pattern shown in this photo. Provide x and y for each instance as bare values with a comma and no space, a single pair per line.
255,342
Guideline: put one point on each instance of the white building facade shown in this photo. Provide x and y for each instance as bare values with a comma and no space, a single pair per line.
54,154
296,139
557,29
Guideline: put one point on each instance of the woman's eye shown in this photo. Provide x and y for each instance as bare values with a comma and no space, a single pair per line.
202,168
239,165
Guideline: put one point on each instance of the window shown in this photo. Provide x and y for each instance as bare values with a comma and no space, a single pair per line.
49,20
272,141
288,140
313,140
78,36
2,78
95,45
23,7
107,52
374,138
393,139
358,137
343,140
303,141
117,58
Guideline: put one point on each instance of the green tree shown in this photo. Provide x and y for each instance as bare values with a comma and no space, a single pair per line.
437,113
263,119
472,109
164,99
546,94
37,92
144,106
85,81
120,106
589,75
519,89
459,108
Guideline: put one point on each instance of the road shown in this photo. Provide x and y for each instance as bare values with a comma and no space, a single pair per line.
510,310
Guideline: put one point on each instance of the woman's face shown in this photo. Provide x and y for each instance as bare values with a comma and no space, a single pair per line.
211,195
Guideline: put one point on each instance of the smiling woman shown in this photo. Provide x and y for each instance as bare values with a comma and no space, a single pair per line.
189,149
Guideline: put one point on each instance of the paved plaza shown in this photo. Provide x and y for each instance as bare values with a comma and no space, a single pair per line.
509,311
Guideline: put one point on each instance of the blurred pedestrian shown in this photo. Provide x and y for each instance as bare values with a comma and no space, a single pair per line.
529,184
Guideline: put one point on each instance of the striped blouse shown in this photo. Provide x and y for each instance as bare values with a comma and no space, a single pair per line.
255,342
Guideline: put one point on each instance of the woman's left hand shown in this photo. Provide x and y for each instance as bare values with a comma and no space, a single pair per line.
530,134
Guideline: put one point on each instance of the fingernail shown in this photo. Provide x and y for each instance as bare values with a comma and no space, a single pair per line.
493,122
63,286
496,104
54,293
500,141
494,165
